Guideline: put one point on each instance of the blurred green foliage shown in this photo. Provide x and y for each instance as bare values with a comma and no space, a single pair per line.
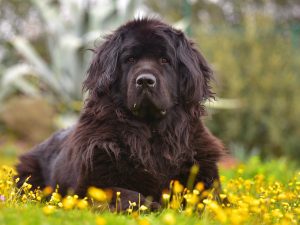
258,65
53,62
67,30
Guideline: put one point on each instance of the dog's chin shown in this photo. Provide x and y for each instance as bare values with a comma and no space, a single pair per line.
148,109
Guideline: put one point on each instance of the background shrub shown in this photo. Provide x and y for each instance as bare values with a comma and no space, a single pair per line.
258,65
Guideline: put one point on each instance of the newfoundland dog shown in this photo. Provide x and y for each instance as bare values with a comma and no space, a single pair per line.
141,123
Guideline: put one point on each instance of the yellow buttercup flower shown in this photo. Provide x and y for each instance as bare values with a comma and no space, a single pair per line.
100,221
55,197
97,194
69,202
143,221
166,197
143,208
169,219
177,188
49,209
82,204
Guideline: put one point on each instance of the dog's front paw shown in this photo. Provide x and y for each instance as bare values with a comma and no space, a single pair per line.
124,199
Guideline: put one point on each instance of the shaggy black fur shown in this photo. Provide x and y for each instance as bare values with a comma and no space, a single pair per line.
140,127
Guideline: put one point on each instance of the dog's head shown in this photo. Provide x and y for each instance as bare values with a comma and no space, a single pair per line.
152,67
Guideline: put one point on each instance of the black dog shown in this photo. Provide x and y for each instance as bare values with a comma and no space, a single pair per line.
140,127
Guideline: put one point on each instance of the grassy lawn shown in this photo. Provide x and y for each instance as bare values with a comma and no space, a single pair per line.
259,193
31,214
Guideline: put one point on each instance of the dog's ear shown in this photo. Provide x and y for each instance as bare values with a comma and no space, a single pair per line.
195,73
102,71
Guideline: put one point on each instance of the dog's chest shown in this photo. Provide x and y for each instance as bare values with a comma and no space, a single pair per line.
152,161
147,182
155,161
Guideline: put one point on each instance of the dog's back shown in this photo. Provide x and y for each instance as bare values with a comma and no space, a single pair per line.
36,165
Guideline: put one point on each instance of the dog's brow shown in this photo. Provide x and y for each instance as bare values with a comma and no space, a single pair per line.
130,49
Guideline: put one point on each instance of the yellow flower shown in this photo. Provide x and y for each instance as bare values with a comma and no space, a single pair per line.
25,185
97,194
69,202
297,210
289,216
143,221
132,204
236,219
100,221
49,209
177,188
24,198
166,197
143,208
82,204
196,192
276,213
188,211
199,186
175,204
221,216
200,206
55,197
135,215
47,190
169,219
223,196
282,196
266,217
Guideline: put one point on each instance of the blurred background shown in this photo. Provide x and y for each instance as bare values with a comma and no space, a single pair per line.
252,45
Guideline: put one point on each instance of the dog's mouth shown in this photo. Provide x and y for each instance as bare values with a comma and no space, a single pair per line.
148,108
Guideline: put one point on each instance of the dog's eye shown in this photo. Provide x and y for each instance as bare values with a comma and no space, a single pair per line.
163,60
131,59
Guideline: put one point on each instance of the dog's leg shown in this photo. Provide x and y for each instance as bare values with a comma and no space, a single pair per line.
121,197
105,174
30,170
208,175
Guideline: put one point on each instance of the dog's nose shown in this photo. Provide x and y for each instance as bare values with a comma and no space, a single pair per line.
145,80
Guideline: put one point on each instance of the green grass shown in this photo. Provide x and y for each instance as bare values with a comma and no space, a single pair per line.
280,177
32,214
274,169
